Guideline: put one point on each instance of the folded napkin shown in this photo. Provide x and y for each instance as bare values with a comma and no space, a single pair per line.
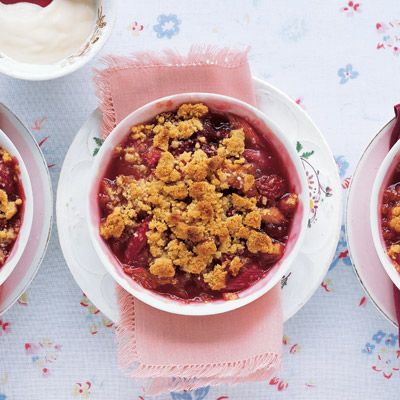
171,352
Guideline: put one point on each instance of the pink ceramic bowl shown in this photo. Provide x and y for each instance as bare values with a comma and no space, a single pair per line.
292,162
382,179
27,211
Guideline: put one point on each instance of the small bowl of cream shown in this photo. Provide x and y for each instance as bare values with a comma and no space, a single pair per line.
47,39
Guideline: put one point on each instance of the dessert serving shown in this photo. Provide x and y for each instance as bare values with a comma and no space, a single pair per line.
196,204
385,213
16,207
390,218
11,204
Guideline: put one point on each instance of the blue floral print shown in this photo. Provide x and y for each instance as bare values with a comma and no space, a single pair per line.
384,354
379,336
198,394
168,26
369,348
342,164
391,340
347,73
342,253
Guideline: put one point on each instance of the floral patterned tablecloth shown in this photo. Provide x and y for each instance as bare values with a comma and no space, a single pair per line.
340,60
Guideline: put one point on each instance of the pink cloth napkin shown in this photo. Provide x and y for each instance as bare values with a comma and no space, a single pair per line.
171,352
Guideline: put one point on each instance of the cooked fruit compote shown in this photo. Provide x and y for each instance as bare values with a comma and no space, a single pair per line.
390,214
11,204
196,205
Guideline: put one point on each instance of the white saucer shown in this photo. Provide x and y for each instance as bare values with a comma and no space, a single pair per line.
27,267
325,217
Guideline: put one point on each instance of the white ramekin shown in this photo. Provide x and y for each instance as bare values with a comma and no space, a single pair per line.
275,136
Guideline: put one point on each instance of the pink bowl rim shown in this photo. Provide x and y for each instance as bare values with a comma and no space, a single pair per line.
164,303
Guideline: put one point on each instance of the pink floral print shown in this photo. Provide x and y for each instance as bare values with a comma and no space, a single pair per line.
43,354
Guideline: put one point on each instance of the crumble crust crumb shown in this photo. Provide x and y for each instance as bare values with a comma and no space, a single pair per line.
163,268
235,266
113,226
394,222
216,278
187,111
393,252
8,208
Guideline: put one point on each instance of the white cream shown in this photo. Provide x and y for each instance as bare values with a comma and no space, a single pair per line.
36,35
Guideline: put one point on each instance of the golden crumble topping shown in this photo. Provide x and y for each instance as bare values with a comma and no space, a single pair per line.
197,224
114,225
393,252
394,222
187,111
8,208
162,267
235,265
216,278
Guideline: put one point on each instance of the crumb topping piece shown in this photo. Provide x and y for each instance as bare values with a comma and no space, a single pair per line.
216,278
394,252
8,208
394,222
162,267
235,265
113,226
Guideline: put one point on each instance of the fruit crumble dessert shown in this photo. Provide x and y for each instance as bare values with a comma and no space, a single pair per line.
390,218
11,204
196,204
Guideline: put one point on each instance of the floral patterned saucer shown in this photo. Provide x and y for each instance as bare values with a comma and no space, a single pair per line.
27,267
324,223
362,251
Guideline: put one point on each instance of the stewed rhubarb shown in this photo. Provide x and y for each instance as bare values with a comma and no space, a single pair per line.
390,218
196,205
11,204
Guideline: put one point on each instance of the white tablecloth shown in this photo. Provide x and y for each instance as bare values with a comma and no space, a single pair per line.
331,58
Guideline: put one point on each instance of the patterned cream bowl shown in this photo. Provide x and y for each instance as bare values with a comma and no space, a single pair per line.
293,166
26,211
381,182
102,27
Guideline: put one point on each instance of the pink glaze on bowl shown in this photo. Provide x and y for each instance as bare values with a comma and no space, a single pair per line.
293,167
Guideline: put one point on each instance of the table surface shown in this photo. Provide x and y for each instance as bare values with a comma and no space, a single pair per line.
333,60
